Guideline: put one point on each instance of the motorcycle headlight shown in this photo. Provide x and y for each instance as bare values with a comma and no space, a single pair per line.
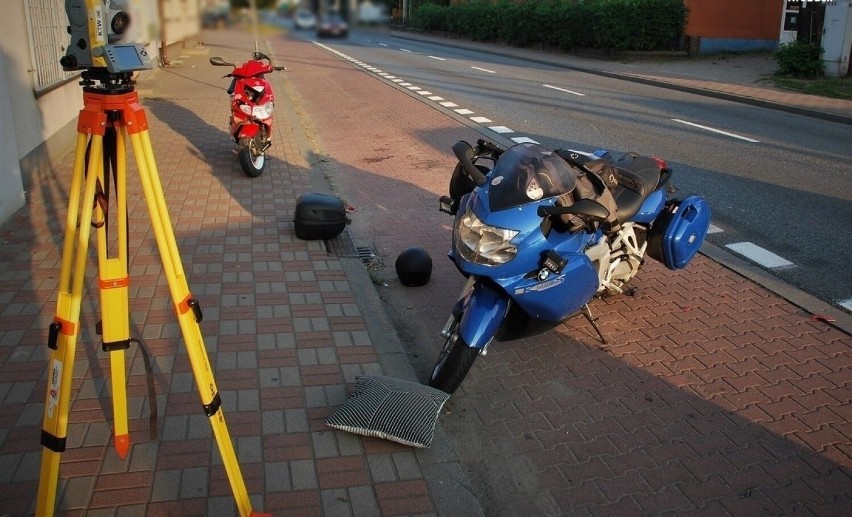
482,243
263,112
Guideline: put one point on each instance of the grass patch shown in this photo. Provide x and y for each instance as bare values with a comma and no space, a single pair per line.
834,87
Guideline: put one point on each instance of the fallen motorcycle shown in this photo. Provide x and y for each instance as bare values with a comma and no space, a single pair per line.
252,102
539,233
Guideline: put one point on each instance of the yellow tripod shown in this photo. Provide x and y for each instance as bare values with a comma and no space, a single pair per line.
111,115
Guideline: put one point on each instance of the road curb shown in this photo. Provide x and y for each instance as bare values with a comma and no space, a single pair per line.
834,317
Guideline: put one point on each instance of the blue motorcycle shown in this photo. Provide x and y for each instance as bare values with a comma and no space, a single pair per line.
539,233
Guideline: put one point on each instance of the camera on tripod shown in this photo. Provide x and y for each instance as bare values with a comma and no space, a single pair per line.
96,28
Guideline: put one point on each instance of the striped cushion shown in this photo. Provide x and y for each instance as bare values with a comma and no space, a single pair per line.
392,409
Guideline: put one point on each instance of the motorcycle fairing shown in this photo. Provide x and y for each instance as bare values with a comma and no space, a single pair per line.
483,310
246,129
651,207
520,275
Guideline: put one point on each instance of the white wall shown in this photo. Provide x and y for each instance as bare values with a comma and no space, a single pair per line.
11,188
837,37
35,132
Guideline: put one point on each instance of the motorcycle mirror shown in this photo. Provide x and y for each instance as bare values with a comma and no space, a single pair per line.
585,207
218,61
465,153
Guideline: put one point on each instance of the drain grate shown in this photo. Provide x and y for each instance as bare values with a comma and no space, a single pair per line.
344,246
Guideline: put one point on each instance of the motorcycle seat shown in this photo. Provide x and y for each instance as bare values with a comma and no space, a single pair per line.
628,188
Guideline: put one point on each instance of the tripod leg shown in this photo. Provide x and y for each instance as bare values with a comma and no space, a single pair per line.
63,330
113,285
189,315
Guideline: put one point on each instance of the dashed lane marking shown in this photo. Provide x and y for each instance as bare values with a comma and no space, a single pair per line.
847,304
759,255
719,131
435,98
523,140
564,90
714,229
405,50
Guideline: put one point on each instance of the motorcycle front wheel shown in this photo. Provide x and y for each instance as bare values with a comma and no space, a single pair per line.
453,364
252,159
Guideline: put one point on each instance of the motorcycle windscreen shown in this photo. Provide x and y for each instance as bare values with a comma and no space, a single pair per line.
527,173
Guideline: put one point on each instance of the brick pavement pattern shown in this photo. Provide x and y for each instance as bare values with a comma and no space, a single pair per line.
722,399
713,395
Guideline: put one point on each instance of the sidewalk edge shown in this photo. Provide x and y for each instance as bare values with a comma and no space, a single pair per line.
440,465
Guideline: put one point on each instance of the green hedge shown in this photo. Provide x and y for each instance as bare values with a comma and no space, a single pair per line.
611,25
799,59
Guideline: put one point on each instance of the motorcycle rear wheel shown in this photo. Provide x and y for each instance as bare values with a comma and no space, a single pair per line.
252,160
453,364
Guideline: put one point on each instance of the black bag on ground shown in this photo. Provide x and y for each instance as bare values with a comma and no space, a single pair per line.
319,216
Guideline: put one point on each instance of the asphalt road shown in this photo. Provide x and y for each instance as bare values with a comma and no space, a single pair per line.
780,184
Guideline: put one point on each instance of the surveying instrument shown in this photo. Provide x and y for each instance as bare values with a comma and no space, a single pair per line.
110,117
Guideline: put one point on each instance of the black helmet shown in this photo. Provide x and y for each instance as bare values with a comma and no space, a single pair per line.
414,267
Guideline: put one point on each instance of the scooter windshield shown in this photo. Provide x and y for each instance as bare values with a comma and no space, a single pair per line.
526,173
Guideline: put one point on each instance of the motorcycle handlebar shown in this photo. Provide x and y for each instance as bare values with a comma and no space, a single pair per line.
465,153
491,147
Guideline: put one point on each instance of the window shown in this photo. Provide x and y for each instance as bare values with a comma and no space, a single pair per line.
47,26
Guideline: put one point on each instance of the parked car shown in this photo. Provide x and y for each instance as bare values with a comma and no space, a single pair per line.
304,20
332,25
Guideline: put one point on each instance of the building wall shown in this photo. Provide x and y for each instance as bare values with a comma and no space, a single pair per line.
39,130
734,25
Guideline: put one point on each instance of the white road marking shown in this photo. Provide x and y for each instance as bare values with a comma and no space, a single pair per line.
501,129
564,90
424,92
726,133
481,120
524,140
463,111
449,104
397,80
436,98
714,229
847,304
438,58
405,50
405,84
757,254
414,88
390,77
383,44
484,70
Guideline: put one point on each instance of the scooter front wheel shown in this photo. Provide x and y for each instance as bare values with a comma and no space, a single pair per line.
252,159
453,364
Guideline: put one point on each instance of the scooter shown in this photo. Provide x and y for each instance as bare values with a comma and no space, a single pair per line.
252,103
539,233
